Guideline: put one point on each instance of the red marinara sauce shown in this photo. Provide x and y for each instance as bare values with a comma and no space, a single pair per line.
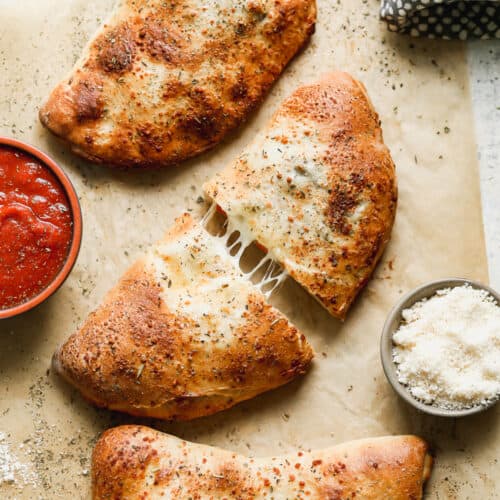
36,227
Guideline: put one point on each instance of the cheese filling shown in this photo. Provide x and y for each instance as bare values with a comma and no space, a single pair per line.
277,194
266,274
201,281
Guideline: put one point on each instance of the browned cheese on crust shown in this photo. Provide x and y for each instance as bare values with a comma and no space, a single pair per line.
164,81
317,188
182,335
135,462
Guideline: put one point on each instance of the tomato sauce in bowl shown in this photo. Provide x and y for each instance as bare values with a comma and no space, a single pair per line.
36,227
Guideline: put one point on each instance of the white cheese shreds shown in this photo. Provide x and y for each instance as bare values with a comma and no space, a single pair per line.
447,350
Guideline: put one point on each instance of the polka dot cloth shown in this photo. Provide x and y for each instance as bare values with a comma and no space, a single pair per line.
445,19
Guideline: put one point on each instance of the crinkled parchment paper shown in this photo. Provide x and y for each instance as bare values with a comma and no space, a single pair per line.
420,89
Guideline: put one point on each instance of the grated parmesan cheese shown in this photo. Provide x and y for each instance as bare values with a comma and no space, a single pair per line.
447,350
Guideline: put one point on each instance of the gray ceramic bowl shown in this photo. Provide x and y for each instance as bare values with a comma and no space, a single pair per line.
392,324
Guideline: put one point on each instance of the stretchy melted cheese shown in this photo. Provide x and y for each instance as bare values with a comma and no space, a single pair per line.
316,188
183,334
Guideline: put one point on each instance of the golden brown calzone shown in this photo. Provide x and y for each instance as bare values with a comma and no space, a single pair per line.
132,462
182,335
164,81
317,189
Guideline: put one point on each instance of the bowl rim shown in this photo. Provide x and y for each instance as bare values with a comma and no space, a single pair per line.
76,215
393,321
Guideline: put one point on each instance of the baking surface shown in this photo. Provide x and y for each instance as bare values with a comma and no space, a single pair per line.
420,89
483,58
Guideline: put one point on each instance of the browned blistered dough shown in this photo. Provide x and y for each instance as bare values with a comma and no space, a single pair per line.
139,462
182,335
164,81
317,188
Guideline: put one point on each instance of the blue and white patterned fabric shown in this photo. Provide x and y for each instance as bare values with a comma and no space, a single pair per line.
445,19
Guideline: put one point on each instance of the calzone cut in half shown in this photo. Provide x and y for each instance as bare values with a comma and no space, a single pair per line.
182,335
163,81
317,189
132,462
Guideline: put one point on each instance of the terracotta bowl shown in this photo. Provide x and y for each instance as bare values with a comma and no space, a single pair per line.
77,227
392,324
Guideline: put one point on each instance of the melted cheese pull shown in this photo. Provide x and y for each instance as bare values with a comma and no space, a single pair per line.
317,189
199,281
266,274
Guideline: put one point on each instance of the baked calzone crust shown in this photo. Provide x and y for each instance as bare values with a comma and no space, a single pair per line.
132,462
182,335
164,81
317,189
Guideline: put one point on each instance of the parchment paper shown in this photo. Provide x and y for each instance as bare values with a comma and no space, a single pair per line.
420,89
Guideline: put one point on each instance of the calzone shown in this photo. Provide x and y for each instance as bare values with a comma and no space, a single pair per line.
317,189
182,335
162,81
132,462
